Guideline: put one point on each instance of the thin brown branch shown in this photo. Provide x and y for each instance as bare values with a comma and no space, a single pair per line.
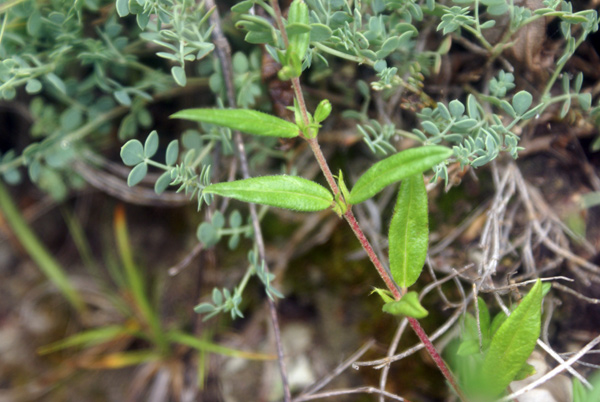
181,265
337,371
391,350
118,188
575,293
224,53
380,363
526,193
557,370
525,283
361,390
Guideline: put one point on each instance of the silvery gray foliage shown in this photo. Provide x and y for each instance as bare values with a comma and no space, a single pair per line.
265,277
380,34
478,138
178,26
225,301
378,137
481,129
82,76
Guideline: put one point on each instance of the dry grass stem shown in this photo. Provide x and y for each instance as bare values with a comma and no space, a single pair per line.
380,363
351,391
557,370
336,372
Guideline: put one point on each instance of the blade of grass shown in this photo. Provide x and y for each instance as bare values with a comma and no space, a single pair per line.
202,361
206,346
37,251
111,261
88,338
8,5
135,281
124,359
80,240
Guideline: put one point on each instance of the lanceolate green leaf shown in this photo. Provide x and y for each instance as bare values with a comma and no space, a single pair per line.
581,394
409,232
298,41
247,121
290,192
395,168
513,343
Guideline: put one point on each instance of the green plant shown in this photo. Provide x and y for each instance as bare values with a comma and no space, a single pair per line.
38,53
493,352
40,254
581,394
74,106
480,138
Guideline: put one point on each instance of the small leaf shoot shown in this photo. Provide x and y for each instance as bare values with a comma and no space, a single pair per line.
409,306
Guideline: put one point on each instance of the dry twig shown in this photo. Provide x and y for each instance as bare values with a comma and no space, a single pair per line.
563,366
224,54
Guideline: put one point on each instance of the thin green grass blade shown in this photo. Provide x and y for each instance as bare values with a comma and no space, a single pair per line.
37,251
135,280
125,359
203,345
88,338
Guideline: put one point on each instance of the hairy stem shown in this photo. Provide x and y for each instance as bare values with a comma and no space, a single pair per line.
349,216
316,148
391,285
279,20
300,99
439,362
364,242
559,68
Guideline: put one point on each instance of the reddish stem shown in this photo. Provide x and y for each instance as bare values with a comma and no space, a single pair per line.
391,285
279,20
414,323
316,148
349,216
300,99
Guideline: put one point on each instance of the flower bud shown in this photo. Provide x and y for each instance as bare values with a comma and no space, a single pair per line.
323,110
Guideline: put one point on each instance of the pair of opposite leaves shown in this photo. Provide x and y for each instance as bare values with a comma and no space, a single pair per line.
409,226
409,231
